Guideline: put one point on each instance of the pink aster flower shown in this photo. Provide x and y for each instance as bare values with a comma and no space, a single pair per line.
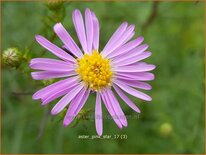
116,68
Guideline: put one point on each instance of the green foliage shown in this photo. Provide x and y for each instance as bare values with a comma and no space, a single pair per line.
172,123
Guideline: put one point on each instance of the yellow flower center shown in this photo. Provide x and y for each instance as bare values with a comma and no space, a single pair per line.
94,70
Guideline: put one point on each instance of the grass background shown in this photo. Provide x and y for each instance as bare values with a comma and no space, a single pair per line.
175,33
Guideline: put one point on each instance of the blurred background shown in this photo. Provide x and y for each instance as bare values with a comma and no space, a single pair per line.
173,122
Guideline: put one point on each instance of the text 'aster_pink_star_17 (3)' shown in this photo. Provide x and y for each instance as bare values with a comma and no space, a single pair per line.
117,68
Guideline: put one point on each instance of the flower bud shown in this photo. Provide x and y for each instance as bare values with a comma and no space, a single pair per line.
11,57
54,4
166,129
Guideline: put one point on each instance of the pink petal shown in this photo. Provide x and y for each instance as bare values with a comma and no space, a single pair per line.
118,110
110,109
135,68
141,76
73,106
136,84
89,29
56,94
54,49
98,115
66,99
133,91
51,65
42,75
132,53
79,27
83,101
116,35
76,106
55,86
96,32
130,60
126,47
67,40
127,35
41,60
126,99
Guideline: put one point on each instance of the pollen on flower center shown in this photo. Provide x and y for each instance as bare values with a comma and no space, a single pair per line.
94,70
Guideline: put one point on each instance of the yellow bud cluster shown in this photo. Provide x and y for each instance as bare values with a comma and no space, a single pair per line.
94,70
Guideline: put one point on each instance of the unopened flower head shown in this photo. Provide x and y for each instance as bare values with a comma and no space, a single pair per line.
54,4
118,67
166,129
11,57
